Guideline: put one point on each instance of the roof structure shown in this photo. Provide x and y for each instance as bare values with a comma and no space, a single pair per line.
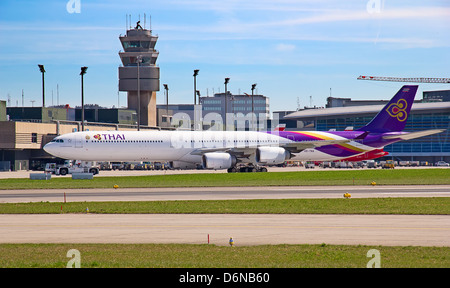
358,110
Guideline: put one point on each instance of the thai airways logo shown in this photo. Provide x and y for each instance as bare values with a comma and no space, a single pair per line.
398,110
109,137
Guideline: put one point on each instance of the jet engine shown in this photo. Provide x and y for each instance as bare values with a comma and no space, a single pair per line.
272,155
218,160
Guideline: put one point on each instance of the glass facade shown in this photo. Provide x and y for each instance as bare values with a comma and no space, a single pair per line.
437,143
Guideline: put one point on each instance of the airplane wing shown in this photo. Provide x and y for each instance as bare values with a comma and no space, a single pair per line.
413,135
243,152
294,147
297,147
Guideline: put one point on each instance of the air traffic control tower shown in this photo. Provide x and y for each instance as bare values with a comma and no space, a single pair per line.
139,52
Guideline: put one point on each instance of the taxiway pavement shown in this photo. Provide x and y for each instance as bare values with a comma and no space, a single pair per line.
388,230
220,193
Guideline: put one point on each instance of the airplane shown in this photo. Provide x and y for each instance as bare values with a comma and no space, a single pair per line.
230,149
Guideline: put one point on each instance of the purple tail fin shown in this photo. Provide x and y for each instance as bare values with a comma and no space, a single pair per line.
394,115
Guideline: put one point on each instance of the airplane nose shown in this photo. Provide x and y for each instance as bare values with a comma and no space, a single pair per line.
49,148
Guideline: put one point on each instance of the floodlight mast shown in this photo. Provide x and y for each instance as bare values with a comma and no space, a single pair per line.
195,87
83,71
166,87
226,98
253,109
42,69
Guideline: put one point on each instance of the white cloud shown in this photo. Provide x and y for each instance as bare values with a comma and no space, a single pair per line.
285,47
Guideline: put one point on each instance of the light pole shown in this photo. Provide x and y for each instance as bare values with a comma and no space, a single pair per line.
195,87
83,71
226,82
41,68
167,103
253,112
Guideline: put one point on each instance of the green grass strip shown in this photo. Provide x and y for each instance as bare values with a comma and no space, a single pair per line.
212,256
417,206
300,178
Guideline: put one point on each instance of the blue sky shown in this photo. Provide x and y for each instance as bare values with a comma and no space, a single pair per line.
292,49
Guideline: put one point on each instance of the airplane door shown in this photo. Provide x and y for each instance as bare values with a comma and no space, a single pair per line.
78,141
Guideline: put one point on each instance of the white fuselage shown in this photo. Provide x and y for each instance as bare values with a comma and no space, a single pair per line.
161,146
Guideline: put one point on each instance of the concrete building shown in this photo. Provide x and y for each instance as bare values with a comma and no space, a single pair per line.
40,114
348,102
185,116
237,106
139,75
436,96
107,115
2,110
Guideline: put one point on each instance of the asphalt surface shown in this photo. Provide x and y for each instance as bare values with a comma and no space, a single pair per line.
387,230
219,193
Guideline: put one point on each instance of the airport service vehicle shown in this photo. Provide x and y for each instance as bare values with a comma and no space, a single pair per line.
69,168
230,149
389,164
442,163
371,164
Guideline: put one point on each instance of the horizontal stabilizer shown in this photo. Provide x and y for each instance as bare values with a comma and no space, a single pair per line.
413,135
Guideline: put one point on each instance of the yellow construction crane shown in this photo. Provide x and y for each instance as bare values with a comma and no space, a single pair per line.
400,79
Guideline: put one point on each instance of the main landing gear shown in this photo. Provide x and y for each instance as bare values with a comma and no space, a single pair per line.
249,168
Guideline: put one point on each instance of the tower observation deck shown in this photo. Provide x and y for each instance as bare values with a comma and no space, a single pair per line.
139,52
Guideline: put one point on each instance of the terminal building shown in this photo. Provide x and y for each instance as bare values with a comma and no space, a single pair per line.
213,109
242,106
433,112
